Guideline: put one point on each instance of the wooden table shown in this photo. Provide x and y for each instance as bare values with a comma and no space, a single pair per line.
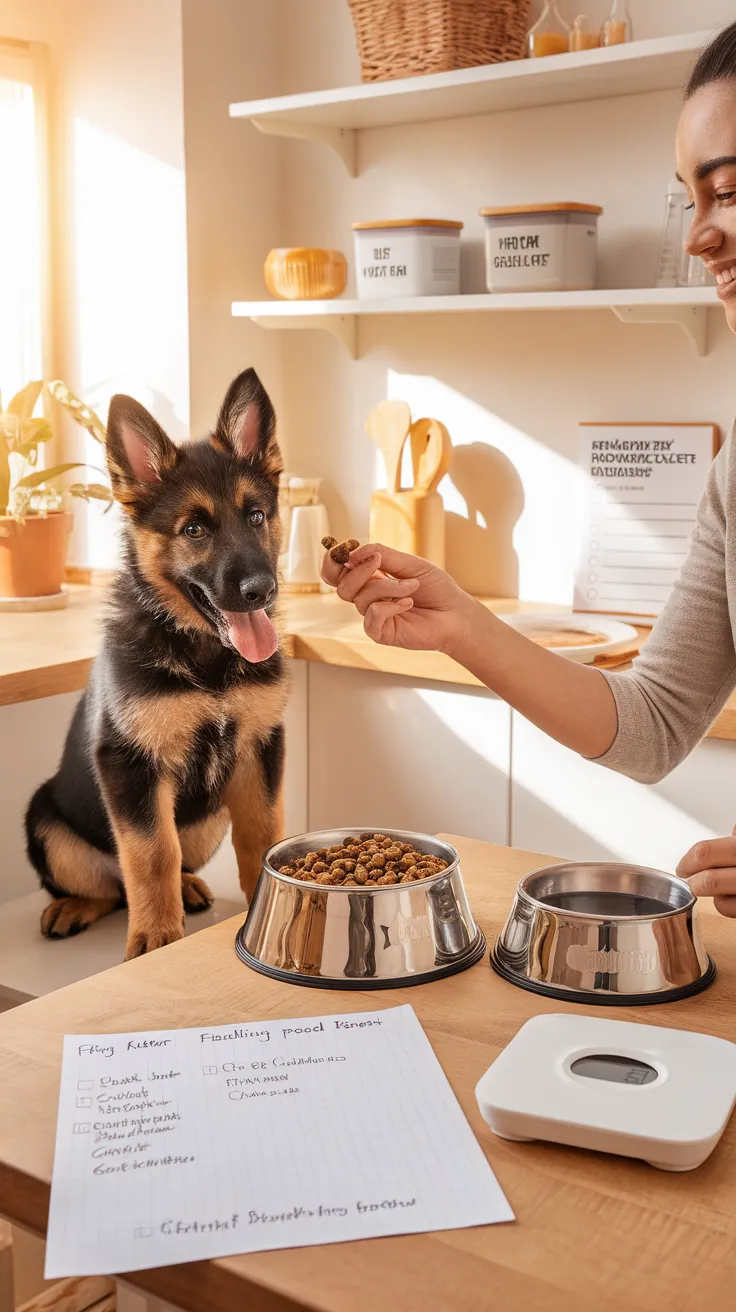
593,1232
52,652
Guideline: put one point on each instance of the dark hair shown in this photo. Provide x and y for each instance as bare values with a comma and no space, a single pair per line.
717,63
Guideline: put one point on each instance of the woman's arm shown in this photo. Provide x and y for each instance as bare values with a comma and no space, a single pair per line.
421,608
687,670
642,722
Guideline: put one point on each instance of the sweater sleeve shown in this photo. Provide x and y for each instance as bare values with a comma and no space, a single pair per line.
687,670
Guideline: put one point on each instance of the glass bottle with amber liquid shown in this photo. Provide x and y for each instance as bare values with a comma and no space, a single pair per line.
617,27
550,35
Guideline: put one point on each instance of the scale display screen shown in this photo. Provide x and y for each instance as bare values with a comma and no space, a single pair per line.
616,1070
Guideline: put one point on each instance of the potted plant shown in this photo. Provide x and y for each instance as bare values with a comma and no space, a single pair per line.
34,520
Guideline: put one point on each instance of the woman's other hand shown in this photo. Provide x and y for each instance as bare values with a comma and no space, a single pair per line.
710,870
404,600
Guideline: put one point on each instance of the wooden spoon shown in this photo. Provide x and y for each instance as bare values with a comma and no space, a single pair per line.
419,437
387,426
436,458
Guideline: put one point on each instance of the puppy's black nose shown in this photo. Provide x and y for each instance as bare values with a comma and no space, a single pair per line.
258,591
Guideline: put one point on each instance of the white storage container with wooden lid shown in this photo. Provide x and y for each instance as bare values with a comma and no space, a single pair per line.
541,248
407,257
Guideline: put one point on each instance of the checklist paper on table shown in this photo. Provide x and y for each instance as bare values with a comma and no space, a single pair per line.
178,1145
641,487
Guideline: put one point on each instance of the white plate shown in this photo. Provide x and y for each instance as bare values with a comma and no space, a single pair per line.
618,637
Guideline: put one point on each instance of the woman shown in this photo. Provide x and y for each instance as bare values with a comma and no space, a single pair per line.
643,722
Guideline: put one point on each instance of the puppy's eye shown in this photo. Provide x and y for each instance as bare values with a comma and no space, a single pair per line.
256,518
194,530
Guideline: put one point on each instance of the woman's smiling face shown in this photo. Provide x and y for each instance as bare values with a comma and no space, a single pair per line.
706,163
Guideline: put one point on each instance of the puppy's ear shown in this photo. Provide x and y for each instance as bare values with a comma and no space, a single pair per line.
139,453
246,424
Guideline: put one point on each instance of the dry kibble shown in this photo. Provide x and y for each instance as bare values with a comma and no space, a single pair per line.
366,862
341,553
328,543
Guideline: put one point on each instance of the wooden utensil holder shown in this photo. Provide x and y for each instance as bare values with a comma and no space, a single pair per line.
412,521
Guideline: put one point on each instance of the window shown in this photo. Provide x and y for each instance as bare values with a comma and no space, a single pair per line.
22,227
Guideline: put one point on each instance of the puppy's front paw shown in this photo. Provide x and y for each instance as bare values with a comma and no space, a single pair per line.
196,894
141,941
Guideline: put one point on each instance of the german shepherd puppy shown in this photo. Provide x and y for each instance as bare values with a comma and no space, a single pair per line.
179,732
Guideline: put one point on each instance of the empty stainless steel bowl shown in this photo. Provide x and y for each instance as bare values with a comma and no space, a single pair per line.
604,933
359,938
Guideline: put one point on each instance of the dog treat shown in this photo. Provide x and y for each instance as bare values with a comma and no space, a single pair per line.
370,861
329,542
341,553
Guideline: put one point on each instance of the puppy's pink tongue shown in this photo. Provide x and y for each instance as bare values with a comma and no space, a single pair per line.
252,634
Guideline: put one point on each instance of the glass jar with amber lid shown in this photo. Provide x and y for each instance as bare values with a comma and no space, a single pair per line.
550,35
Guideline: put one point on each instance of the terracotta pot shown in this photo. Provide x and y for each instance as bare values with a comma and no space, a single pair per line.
33,554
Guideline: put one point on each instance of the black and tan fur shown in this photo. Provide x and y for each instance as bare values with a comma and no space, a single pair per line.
177,735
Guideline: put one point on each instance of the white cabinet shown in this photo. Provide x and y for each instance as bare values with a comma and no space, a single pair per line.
573,808
405,754
32,738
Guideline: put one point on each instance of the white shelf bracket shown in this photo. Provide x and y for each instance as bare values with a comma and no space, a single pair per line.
693,319
341,326
341,140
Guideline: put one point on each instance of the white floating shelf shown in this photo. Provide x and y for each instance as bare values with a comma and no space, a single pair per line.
334,116
687,307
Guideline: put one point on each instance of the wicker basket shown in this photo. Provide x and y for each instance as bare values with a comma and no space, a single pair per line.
402,38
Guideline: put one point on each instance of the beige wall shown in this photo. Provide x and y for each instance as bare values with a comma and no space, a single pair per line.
512,388
119,224
233,194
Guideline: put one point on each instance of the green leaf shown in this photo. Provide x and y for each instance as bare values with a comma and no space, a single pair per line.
23,402
46,475
79,411
91,491
35,431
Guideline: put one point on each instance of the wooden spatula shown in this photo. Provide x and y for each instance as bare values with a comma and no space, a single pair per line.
387,426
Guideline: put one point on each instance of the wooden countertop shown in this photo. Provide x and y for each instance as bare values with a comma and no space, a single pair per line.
51,652
592,1230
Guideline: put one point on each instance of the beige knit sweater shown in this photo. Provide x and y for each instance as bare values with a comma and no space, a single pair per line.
686,671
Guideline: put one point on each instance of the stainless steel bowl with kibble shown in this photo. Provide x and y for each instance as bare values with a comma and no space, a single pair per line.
604,933
360,936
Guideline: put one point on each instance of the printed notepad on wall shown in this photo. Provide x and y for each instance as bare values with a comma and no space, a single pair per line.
641,487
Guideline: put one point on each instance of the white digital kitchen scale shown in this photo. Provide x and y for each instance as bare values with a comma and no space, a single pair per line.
636,1090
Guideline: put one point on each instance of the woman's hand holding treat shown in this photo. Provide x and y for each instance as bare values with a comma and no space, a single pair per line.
404,601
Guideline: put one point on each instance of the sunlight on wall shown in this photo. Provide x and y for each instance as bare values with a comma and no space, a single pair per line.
20,295
546,534
131,291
